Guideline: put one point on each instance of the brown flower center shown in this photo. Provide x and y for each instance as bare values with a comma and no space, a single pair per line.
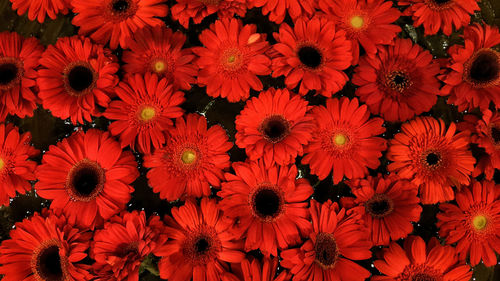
80,78
275,128
326,250
202,245
483,69
11,72
398,81
119,10
85,180
379,206
267,202
120,6
310,56
47,264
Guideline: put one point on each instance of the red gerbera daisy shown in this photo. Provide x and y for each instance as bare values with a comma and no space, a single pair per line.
344,140
473,77
485,133
233,56
278,9
38,9
200,244
159,50
398,82
418,263
474,224
274,126
44,248
16,170
76,77
192,160
144,111
432,157
388,206
87,176
366,22
125,241
257,271
337,238
313,54
19,57
437,15
197,10
269,202
115,21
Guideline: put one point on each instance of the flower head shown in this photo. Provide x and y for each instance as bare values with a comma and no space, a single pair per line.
197,10
432,157
39,9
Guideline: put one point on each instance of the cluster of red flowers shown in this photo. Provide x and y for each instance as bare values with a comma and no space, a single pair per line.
257,219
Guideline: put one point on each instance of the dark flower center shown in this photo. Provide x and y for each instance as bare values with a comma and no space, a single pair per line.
326,250
485,67
80,78
275,128
202,246
267,203
440,2
398,81
49,264
120,6
85,180
432,158
8,72
379,206
422,277
495,134
310,56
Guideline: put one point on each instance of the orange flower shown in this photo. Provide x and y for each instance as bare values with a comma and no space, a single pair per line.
432,157
345,140
416,262
473,76
313,53
184,10
233,56
474,224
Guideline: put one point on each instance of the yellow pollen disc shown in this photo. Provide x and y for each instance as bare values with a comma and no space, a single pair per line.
147,113
2,163
188,157
159,66
340,139
357,22
231,59
479,222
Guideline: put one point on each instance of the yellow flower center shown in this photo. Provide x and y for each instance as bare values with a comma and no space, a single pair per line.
357,22
159,66
188,156
231,59
2,164
479,222
340,139
147,113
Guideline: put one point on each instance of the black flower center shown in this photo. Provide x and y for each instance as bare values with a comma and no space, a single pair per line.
267,203
485,67
440,2
422,277
495,134
432,158
310,56
85,181
275,128
202,246
326,250
120,6
80,78
379,206
398,81
49,264
8,72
